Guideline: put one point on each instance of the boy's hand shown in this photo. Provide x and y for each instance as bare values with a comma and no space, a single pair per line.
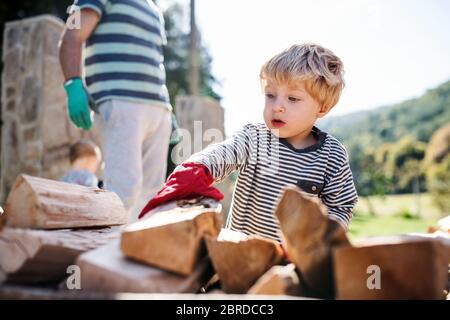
190,181
78,103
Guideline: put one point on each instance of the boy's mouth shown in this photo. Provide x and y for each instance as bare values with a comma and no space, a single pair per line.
276,123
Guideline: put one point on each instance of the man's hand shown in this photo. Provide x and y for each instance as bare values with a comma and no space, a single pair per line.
188,181
78,103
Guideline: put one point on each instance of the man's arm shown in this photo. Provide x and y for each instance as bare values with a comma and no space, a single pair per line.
72,40
78,99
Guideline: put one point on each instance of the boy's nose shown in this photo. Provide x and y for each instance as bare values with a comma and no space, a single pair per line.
278,108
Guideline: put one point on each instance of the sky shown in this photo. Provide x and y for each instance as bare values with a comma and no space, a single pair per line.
392,50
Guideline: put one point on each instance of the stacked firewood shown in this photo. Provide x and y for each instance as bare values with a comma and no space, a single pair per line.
171,249
180,247
47,224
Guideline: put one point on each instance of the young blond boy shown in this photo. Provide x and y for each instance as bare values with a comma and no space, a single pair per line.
301,85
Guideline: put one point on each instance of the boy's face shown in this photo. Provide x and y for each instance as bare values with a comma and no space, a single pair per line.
92,163
289,111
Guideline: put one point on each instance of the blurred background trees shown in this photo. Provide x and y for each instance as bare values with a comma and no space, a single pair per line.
402,148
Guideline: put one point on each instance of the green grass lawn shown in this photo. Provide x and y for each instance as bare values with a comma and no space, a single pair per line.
367,226
421,205
395,214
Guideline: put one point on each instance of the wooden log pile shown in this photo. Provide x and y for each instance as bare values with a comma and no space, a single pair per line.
162,253
180,248
329,266
47,224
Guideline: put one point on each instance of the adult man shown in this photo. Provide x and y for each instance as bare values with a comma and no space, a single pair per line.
124,75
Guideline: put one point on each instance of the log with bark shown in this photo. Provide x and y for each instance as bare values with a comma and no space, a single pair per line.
39,203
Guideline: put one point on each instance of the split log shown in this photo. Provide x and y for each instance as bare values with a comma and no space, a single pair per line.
33,256
309,235
395,267
107,270
279,280
240,263
172,238
39,203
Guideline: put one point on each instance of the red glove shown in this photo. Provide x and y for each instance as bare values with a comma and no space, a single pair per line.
192,181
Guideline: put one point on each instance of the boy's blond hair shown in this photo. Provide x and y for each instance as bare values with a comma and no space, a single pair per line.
319,67
84,148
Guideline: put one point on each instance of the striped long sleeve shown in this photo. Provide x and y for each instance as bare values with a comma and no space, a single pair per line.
225,157
267,164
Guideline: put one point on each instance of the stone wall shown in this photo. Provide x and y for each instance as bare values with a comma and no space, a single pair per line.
36,133
191,109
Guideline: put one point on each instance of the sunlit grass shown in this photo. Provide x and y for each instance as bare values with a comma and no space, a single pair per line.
367,226
421,205
395,214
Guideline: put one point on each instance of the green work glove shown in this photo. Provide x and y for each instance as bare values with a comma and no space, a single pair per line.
78,101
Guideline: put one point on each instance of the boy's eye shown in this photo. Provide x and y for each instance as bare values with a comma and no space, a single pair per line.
293,99
270,96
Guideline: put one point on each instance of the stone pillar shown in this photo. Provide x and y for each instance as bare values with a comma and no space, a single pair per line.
36,132
197,115
194,112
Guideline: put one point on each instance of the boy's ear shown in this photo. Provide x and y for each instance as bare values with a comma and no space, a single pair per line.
323,111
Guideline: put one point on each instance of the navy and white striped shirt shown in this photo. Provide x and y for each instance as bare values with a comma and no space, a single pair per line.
267,164
123,57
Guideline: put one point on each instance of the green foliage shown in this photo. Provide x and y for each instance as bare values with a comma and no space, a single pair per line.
417,118
368,173
439,146
437,167
387,145
176,55
403,165
406,214
438,178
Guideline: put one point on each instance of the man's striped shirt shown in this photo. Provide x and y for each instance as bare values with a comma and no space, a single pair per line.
267,164
123,57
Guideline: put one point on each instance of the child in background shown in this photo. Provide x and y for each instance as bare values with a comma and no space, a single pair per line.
85,157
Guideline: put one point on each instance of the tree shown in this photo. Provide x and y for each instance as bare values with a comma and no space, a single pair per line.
439,145
437,167
403,165
438,179
176,56
368,174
